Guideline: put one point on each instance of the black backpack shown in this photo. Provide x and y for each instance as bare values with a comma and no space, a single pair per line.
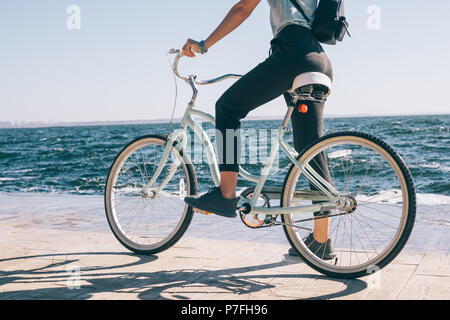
329,25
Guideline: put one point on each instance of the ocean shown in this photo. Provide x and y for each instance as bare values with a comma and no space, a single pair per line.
76,160
54,177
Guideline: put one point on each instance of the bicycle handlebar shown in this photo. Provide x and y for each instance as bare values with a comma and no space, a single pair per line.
179,54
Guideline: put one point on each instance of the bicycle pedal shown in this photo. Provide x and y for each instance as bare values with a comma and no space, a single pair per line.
204,212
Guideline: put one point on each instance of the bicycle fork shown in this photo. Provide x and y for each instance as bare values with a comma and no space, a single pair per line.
177,139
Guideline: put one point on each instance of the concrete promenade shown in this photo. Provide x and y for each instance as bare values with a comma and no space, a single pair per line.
51,263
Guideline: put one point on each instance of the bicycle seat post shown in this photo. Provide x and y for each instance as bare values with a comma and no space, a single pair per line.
287,117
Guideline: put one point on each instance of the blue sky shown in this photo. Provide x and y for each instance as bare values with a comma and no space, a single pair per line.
115,68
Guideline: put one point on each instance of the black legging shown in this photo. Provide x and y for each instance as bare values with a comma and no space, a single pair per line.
294,51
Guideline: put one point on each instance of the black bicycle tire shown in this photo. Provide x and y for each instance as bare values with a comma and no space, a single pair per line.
411,204
189,214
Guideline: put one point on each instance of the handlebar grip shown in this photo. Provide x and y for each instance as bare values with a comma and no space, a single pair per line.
175,70
176,51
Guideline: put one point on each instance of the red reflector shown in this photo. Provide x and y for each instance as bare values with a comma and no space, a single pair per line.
303,108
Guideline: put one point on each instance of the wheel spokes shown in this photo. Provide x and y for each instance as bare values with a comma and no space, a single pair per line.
363,172
148,218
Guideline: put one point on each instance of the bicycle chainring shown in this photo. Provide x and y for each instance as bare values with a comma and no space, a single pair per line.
260,220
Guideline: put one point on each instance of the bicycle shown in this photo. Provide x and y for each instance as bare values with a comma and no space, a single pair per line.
369,227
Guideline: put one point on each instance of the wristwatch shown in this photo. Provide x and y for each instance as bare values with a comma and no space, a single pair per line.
203,50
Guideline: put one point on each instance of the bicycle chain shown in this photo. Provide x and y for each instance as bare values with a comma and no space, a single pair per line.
279,223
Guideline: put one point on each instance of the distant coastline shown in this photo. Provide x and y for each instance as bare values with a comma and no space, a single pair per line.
25,124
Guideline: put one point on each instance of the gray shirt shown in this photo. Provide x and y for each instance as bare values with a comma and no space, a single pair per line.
283,13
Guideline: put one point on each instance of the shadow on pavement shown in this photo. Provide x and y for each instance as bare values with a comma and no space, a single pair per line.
58,275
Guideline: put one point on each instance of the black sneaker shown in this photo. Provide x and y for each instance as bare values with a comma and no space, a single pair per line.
213,201
322,250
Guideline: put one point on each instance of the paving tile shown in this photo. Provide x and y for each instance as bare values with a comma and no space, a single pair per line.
435,265
426,287
41,264
382,285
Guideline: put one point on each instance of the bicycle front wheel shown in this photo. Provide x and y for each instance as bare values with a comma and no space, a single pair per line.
377,183
149,220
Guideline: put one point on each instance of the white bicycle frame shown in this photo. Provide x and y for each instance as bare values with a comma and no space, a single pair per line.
178,139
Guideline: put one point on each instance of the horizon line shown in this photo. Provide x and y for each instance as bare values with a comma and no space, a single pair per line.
13,124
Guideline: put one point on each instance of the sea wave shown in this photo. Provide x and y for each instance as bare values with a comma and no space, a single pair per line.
432,199
435,165
76,160
394,196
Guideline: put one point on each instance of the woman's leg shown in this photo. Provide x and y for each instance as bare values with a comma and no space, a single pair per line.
307,128
228,182
267,81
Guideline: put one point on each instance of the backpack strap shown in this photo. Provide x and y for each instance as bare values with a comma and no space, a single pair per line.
300,9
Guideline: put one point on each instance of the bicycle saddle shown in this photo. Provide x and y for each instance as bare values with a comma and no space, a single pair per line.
311,86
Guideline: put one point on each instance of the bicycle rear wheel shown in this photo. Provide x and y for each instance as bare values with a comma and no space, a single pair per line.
374,178
149,221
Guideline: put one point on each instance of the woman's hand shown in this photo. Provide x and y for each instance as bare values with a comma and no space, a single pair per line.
191,47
